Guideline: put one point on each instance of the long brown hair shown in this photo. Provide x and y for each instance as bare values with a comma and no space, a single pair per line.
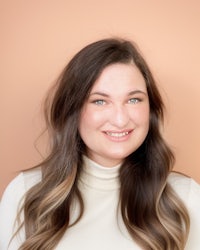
152,213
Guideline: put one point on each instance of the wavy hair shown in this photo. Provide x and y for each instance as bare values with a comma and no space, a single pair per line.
152,213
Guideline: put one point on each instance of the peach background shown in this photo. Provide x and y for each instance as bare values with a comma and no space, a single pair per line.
39,36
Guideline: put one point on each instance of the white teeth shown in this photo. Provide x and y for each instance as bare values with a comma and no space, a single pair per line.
117,134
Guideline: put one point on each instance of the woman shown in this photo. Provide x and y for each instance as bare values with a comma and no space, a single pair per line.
107,182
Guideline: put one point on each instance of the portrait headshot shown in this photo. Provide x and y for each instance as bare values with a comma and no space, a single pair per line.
100,126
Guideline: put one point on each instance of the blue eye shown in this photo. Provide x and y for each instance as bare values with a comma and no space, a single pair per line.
134,100
99,102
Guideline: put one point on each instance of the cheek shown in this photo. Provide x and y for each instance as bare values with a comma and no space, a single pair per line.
141,115
91,119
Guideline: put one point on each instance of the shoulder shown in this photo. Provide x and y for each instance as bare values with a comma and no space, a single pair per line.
187,188
189,192
10,203
16,189
22,182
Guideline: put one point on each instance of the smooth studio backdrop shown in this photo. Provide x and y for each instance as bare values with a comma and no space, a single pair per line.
38,37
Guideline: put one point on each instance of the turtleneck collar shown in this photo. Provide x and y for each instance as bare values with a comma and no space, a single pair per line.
99,177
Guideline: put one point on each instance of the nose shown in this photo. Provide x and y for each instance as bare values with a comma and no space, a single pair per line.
119,116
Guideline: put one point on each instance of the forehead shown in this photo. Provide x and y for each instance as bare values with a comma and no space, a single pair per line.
120,77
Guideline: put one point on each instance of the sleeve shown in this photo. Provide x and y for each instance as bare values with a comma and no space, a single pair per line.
193,205
8,210
189,192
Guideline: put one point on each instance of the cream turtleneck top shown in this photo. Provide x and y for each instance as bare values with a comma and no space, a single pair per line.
101,226
99,177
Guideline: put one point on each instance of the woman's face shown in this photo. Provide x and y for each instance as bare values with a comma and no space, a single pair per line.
115,118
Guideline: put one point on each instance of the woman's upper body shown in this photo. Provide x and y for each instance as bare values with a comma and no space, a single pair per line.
101,225
106,106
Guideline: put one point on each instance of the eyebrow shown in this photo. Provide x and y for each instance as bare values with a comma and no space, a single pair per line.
129,94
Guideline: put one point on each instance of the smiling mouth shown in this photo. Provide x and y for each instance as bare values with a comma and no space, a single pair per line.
118,134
